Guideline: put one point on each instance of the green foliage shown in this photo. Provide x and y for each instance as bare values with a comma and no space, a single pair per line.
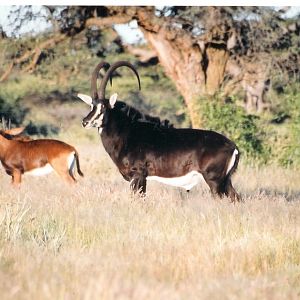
232,121
64,71
10,109
290,152
41,129
13,92
272,137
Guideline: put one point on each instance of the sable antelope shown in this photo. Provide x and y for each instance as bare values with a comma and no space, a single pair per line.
21,155
143,148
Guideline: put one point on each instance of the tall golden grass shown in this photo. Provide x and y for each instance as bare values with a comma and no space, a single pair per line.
98,241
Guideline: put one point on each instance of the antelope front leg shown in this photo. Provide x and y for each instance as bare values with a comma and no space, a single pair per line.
16,178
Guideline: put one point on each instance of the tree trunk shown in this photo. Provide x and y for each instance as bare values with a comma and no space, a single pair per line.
193,71
196,71
182,64
217,59
35,53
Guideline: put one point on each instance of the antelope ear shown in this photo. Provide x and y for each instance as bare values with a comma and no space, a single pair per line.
14,131
85,98
113,99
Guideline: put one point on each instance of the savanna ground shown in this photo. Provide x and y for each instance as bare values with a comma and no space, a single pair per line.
97,241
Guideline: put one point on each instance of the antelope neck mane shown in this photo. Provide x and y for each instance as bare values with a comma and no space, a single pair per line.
135,116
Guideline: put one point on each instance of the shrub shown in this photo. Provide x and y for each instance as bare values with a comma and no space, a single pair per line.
11,110
290,152
231,120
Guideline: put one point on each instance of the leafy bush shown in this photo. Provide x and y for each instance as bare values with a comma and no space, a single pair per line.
13,93
231,120
11,111
290,152
41,129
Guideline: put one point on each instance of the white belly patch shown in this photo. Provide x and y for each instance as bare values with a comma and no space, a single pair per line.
187,181
47,169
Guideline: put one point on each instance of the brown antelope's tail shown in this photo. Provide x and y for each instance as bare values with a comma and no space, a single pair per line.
77,164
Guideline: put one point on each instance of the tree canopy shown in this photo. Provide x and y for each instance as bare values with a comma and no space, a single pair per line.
203,50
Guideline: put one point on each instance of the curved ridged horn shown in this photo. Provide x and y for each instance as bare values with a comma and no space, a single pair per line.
112,68
96,71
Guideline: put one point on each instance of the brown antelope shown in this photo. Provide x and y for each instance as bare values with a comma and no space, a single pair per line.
20,155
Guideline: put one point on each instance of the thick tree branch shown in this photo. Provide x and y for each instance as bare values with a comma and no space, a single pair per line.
143,54
35,54
7,72
108,21
34,61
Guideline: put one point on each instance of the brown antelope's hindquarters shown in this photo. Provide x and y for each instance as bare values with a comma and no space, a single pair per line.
64,166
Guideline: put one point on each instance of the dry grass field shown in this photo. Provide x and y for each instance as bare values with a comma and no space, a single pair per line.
97,241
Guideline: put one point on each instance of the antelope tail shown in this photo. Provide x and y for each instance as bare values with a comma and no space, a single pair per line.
77,164
233,161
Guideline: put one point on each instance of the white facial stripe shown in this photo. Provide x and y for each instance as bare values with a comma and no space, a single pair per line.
97,117
98,122
187,181
97,113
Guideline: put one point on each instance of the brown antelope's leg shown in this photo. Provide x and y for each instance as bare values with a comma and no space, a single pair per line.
65,175
60,165
16,178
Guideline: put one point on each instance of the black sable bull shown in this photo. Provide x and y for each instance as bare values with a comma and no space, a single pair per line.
144,148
